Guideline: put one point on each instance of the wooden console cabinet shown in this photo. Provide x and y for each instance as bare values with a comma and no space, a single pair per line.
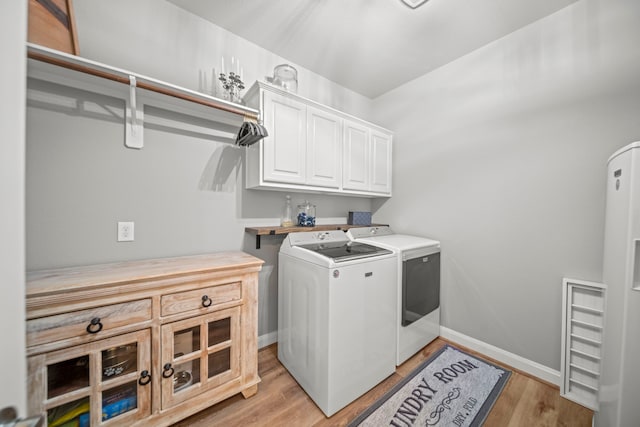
142,342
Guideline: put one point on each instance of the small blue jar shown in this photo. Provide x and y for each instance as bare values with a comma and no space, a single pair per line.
306,214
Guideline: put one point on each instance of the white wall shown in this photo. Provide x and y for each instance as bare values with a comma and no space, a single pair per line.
13,27
502,154
158,39
184,190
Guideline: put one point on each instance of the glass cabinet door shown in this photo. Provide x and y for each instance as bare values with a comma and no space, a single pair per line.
106,382
198,354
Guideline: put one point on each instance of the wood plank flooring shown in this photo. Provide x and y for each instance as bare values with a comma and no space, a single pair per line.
280,401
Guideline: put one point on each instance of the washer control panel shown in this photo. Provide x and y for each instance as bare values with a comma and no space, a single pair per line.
309,237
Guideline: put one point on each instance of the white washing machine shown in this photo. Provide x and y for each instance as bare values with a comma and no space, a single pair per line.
336,315
418,286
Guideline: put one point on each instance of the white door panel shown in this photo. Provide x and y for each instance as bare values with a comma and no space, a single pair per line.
356,157
284,148
324,148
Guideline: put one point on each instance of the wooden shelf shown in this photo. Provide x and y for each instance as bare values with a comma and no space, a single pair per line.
276,230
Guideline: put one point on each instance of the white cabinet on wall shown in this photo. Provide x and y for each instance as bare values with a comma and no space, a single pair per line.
286,121
324,148
380,146
367,159
312,147
356,157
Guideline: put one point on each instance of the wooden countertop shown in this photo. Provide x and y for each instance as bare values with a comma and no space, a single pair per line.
274,229
60,280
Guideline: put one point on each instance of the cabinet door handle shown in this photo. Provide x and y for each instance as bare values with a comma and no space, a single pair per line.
95,326
145,378
206,301
167,371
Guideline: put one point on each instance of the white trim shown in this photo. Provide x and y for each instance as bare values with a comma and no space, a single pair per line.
525,365
529,366
267,339
570,368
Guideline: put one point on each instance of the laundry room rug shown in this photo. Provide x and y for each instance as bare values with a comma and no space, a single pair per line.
451,388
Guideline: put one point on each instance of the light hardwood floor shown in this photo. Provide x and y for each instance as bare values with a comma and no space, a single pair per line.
280,401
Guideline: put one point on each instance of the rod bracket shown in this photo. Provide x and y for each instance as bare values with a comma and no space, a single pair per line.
134,118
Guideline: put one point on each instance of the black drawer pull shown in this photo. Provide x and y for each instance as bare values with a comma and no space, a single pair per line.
95,326
206,301
167,370
145,378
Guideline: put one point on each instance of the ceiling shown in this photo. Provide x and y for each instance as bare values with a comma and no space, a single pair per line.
371,46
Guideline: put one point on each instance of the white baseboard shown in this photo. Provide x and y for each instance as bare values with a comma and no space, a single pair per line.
525,365
518,362
267,339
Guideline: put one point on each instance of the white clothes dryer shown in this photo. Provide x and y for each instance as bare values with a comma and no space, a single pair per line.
418,286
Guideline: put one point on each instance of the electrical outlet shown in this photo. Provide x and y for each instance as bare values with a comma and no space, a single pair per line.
125,231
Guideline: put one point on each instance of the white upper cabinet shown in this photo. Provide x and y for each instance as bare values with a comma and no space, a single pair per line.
312,147
367,159
324,148
285,147
356,156
380,145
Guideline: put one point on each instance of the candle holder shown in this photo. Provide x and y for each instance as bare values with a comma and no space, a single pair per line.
232,85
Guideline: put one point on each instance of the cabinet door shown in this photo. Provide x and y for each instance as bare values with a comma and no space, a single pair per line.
284,150
380,162
324,148
199,354
356,157
106,382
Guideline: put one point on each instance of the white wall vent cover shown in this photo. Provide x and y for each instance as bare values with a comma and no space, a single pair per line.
583,306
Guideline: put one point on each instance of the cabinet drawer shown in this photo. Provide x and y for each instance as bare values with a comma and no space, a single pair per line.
79,323
205,298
